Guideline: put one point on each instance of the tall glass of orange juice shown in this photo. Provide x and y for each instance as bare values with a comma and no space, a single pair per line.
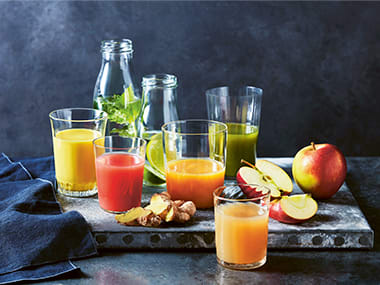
194,152
241,228
73,131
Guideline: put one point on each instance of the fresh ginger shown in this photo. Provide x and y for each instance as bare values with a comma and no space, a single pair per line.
139,217
161,208
188,207
130,218
159,205
150,220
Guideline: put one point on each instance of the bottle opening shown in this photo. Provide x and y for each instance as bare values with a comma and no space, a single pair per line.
117,46
159,80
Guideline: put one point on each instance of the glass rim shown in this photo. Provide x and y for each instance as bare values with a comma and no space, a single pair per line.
193,120
105,115
142,141
262,196
257,90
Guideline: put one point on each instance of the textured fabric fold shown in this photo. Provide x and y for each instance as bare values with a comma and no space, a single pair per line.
36,237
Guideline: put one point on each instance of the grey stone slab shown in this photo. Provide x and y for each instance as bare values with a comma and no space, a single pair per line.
339,223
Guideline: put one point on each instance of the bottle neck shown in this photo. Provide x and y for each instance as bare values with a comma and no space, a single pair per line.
117,50
116,57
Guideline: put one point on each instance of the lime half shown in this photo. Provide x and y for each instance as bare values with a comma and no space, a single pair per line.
155,153
152,177
155,169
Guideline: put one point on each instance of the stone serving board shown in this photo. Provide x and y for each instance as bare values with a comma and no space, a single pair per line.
339,223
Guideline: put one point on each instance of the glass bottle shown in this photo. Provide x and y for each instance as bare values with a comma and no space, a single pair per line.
159,107
114,91
159,103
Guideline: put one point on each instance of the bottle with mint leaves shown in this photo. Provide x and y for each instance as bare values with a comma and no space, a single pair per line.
115,91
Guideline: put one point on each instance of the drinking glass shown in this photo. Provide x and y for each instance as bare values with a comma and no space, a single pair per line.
241,228
159,107
194,152
73,131
119,172
240,110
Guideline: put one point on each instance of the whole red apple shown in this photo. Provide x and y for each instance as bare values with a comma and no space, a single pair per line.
319,169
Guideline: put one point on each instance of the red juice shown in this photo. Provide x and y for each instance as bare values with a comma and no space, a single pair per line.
119,177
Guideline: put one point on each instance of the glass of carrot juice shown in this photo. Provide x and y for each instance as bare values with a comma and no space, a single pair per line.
241,229
73,131
119,172
194,152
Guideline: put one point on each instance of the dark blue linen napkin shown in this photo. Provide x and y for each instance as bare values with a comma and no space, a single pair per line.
37,240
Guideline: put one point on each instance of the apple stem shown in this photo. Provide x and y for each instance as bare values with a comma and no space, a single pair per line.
248,163
313,145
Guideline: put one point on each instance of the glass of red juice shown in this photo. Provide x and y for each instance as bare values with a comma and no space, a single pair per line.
119,167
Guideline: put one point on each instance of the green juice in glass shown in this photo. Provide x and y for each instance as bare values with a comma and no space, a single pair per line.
241,144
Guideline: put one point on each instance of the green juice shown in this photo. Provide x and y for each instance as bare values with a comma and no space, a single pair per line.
241,144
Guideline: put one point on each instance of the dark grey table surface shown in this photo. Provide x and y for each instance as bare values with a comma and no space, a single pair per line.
282,267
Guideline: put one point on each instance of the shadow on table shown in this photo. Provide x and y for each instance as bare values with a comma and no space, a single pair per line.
73,275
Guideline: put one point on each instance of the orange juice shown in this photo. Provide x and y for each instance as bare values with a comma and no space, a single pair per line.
194,179
74,159
241,233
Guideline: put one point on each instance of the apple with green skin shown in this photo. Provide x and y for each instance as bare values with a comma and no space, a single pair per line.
264,173
293,209
319,169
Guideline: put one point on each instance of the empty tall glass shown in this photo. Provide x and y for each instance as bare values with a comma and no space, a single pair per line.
240,110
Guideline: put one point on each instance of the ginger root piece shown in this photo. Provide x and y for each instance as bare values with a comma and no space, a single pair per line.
178,203
139,217
165,195
161,209
150,220
130,218
182,213
188,207
171,213
159,204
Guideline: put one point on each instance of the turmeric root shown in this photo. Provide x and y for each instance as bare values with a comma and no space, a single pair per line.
160,209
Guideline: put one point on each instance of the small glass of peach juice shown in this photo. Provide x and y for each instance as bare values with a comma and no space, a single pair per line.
194,152
241,229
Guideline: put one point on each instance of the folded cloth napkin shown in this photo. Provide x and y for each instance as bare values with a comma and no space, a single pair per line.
37,240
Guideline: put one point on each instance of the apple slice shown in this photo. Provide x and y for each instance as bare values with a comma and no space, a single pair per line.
249,175
293,209
276,175
268,174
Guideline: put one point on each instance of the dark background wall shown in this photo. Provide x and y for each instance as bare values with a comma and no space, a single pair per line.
318,63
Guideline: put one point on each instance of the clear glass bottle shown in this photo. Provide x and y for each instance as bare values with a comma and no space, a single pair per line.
115,91
159,103
159,107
